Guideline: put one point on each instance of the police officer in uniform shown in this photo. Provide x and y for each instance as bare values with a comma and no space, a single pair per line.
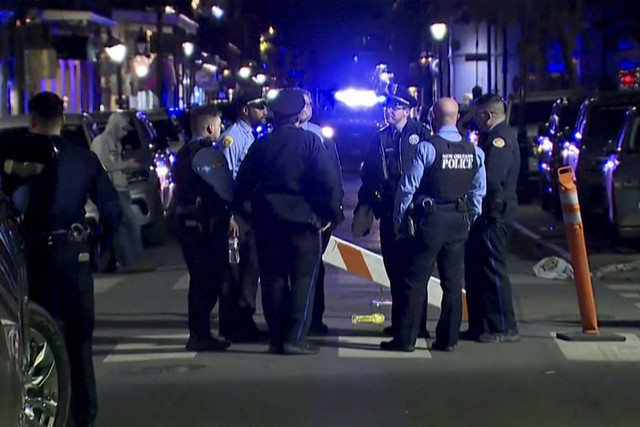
49,177
235,142
317,325
491,314
203,193
295,194
389,154
446,183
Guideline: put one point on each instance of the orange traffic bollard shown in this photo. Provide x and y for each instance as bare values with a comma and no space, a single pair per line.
579,260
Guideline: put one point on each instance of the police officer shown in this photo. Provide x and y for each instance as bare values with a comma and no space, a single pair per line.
52,197
446,183
389,154
295,194
203,193
317,325
491,314
235,142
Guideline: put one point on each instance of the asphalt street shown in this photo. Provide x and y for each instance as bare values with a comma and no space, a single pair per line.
146,378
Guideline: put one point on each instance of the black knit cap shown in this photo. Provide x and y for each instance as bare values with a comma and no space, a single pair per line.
287,102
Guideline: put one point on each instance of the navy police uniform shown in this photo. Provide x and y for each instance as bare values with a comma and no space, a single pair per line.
203,192
319,301
389,155
238,322
293,190
487,279
445,183
52,198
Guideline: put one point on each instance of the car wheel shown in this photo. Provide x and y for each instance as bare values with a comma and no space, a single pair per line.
47,385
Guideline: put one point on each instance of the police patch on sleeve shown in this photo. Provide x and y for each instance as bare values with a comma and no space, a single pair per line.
414,139
227,141
498,142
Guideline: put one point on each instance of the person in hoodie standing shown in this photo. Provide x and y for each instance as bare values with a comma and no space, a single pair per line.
108,148
294,196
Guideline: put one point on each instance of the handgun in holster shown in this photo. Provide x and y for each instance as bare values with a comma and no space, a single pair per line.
409,221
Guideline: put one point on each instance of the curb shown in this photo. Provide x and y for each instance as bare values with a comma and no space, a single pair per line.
529,244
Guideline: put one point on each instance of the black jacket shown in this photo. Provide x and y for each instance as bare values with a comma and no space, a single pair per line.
389,154
289,176
502,164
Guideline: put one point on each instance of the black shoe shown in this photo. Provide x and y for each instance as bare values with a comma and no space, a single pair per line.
244,335
499,337
300,348
318,329
394,346
206,344
441,347
424,334
469,335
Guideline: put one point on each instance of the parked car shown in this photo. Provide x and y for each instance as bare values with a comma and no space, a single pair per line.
622,179
144,183
527,116
551,138
35,378
597,128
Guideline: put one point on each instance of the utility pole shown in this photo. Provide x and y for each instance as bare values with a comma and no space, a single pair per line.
160,57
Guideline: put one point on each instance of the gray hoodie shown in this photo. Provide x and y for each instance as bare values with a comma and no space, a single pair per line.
108,148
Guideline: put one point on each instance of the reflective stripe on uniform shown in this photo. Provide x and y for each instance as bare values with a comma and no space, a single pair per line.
569,199
572,218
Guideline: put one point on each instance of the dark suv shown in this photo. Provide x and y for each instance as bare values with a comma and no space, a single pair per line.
551,138
622,179
599,122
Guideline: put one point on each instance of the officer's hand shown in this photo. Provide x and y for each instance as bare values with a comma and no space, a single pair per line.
132,164
233,228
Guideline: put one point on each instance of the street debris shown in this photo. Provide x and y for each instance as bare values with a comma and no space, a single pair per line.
553,268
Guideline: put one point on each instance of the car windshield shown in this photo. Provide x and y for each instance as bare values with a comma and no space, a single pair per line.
165,130
604,124
567,116
534,112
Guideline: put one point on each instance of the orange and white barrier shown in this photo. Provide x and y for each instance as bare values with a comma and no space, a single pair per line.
369,265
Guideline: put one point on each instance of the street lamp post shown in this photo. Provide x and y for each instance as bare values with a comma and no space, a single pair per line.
438,33
117,53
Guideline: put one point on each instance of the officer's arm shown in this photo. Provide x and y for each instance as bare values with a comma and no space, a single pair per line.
231,152
100,147
246,180
479,185
326,183
410,180
497,162
370,174
209,164
103,194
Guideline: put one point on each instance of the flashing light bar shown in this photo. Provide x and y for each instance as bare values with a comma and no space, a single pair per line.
358,98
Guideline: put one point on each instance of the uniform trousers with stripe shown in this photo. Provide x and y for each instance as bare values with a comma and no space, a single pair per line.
289,257
489,298
440,237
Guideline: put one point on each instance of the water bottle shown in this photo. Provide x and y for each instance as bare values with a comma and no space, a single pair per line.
375,318
234,252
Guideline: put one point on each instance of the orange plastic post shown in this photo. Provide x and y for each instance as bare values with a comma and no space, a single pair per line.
465,309
578,250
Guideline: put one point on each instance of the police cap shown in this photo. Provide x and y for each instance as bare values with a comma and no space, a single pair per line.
286,102
400,95
250,96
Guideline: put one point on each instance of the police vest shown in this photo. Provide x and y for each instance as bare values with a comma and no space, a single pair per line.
450,176
189,185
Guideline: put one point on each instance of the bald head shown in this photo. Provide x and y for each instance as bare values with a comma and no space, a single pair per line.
445,113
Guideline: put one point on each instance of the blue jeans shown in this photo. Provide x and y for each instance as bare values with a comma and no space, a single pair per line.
128,243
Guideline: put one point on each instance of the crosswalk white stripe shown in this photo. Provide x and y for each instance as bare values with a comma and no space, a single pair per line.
630,294
182,282
103,284
637,304
624,287
146,357
147,351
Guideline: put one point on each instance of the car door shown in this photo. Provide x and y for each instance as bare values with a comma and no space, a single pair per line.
626,180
